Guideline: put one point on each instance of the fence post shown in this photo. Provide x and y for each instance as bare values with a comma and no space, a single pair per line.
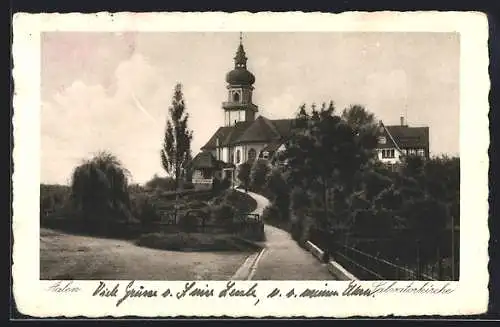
419,268
439,268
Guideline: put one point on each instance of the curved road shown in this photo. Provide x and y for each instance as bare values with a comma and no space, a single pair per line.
283,258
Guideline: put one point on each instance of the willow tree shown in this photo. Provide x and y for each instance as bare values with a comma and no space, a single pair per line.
176,151
99,189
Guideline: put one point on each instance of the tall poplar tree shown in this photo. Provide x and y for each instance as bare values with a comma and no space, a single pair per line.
176,151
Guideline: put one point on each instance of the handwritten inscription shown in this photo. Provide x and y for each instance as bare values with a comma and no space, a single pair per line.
354,289
131,291
64,287
231,289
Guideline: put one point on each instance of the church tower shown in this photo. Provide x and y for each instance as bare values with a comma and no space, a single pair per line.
239,106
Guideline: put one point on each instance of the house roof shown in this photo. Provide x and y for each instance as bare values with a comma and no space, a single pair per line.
410,137
404,137
205,159
259,130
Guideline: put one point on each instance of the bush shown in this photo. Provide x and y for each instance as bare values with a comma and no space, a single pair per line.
161,183
258,174
144,210
271,213
223,214
189,222
53,198
296,230
243,203
299,199
243,174
193,242
188,185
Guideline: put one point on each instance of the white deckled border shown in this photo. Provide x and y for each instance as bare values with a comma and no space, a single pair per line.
471,293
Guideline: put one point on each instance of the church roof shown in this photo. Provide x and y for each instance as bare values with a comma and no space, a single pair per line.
259,130
262,130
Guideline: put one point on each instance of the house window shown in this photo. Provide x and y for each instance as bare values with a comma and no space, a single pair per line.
403,151
251,154
238,156
412,152
265,155
382,140
387,153
421,152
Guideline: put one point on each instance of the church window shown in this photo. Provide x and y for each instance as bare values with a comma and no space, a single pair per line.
238,156
382,140
251,154
236,97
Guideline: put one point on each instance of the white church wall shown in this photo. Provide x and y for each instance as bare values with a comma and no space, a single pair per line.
239,148
225,154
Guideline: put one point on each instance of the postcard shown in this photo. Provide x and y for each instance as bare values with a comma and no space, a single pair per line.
213,164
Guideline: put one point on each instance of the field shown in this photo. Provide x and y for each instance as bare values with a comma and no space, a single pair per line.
64,256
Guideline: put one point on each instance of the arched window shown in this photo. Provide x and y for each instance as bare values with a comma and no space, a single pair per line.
236,97
238,156
251,154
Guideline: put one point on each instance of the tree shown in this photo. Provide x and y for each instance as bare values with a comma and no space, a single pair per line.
364,126
176,151
162,183
324,152
99,189
258,174
277,185
244,174
359,118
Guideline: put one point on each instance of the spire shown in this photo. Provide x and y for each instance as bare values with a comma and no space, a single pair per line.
240,61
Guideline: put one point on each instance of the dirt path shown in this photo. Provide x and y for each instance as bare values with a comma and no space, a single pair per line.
64,256
283,258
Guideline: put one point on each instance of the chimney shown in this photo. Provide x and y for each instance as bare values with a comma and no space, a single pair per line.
402,120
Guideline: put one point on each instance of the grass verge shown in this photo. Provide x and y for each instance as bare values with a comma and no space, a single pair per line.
195,242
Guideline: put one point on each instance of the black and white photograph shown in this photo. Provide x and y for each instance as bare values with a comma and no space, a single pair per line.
175,158
267,156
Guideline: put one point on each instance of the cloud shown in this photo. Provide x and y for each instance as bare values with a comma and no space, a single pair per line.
83,119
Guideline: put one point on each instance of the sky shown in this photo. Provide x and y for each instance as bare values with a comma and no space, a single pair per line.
111,91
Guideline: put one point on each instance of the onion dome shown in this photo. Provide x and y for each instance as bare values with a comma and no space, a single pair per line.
240,75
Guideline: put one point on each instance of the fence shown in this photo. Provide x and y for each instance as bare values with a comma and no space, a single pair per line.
245,224
366,264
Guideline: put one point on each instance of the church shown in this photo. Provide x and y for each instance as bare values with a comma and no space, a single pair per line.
246,137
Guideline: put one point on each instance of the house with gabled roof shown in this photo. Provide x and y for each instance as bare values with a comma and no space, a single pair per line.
397,141
246,138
